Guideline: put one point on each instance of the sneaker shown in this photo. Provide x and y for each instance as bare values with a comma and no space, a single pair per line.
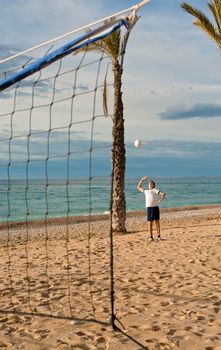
150,239
158,238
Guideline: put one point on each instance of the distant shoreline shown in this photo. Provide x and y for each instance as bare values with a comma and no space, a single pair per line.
100,217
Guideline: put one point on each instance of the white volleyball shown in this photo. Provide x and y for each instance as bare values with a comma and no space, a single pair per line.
137,143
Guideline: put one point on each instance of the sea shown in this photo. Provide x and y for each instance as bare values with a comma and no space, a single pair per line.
33,200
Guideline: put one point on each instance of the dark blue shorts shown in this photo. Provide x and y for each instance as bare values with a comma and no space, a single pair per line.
153,213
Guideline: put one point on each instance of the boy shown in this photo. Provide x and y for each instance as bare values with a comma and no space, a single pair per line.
152,197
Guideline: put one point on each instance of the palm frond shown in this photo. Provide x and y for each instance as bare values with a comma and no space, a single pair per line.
215,8
203,22
105,106
112,44
93,47
109,45
210,30
191,10
123,46
123,43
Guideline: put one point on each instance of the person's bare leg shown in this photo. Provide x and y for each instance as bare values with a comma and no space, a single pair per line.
158,227
151,229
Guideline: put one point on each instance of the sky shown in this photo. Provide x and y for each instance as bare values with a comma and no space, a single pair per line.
171,79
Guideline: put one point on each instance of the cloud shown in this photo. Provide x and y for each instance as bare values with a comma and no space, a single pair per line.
53,144
174,158
158,157
198,110
5,95
14,64
153,92
8,50
176,149
25,89
83,87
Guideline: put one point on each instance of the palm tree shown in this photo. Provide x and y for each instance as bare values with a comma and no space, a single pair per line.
204,23
114,46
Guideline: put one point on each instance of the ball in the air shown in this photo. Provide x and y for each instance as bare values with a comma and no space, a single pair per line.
137,143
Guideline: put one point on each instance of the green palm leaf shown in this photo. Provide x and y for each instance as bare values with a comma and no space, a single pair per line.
114,47
203,22
105,96
215,8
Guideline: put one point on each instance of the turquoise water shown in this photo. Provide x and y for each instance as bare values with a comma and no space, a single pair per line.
35,200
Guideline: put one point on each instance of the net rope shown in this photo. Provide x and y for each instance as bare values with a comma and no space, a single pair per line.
29,144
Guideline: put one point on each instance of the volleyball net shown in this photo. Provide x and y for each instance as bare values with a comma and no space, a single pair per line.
55,137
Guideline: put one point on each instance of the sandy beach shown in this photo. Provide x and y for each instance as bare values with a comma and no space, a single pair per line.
167,294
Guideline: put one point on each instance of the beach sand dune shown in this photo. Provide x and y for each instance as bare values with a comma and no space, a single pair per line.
167,294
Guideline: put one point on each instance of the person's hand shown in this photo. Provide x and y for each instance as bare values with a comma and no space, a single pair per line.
162,197
144,178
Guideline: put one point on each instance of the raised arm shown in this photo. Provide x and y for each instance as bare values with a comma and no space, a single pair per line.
139,186
162,196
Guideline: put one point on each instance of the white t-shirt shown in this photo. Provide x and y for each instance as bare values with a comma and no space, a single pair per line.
152,197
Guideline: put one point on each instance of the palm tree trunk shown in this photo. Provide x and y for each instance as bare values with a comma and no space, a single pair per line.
118,155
